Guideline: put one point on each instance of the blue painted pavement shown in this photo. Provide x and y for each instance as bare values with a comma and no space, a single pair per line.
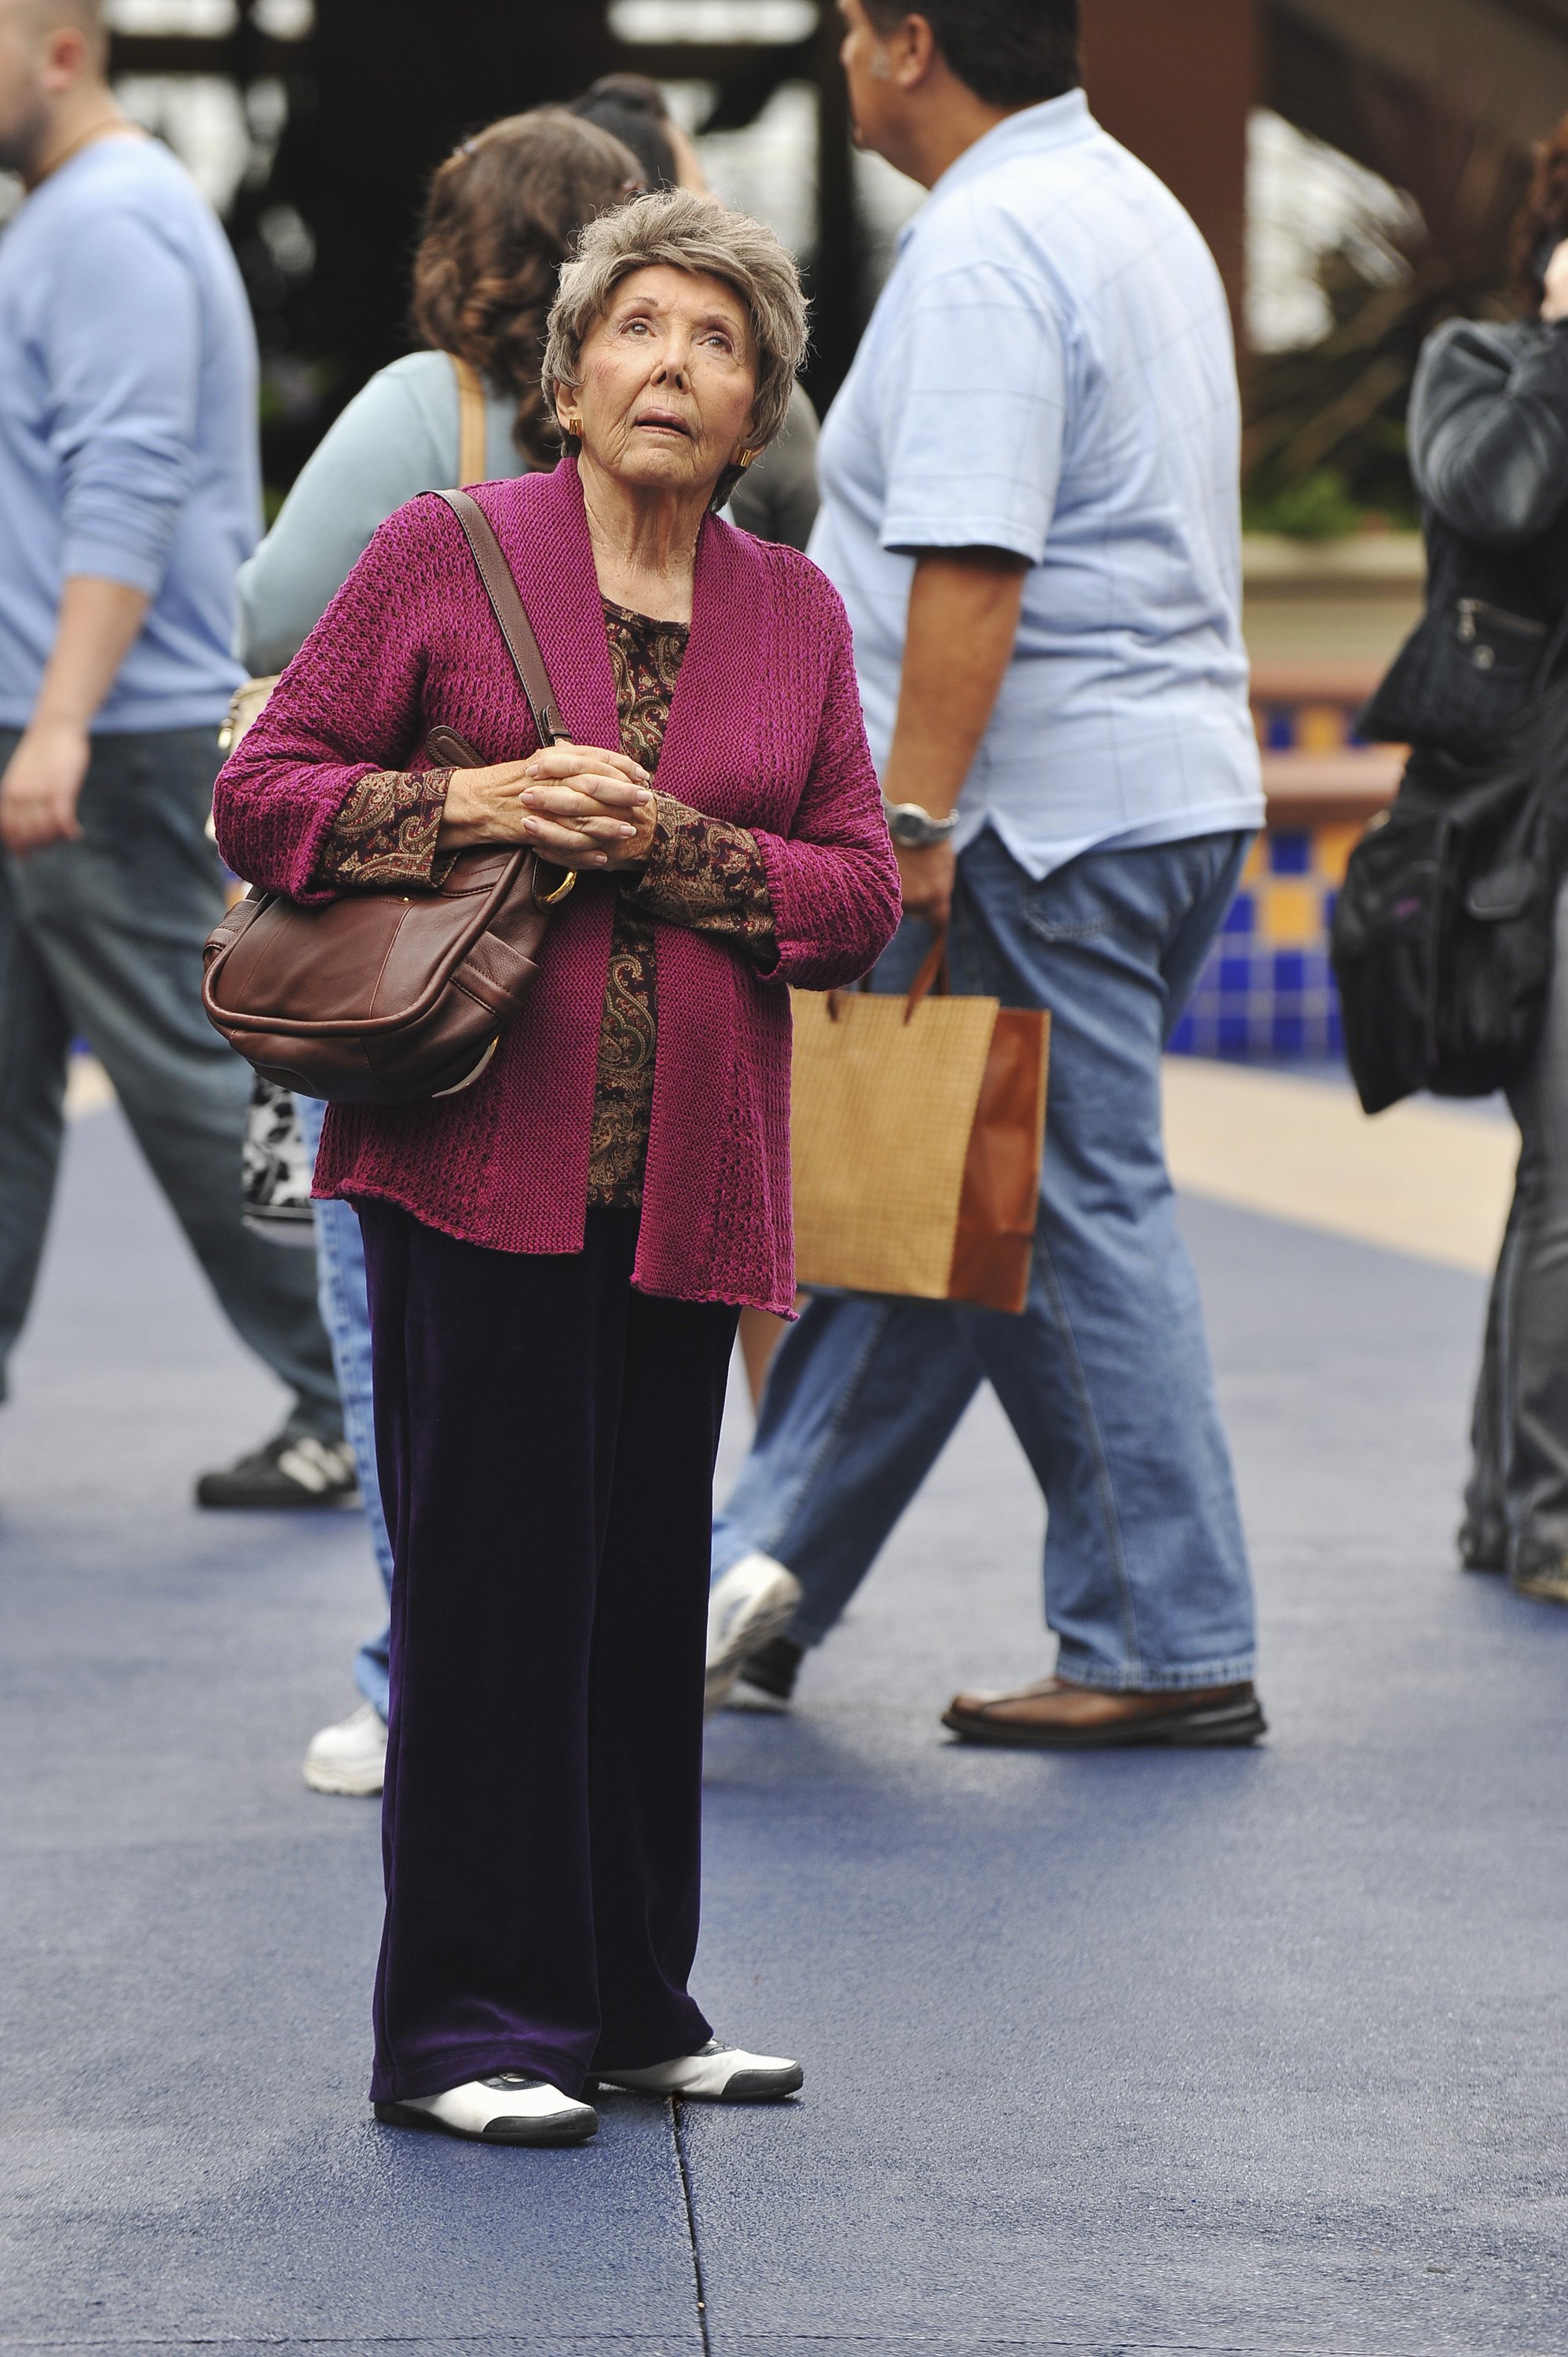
1255,2052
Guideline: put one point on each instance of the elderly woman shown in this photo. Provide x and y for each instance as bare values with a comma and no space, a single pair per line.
556,1257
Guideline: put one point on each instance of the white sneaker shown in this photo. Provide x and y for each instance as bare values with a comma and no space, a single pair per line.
754,1600
715,2074
350,1756
509,2107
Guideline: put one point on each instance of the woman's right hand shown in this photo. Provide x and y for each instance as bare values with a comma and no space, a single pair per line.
487,806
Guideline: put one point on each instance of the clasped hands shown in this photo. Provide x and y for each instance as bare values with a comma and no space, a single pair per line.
576,805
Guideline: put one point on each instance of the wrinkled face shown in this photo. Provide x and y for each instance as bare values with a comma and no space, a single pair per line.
669,381
23,94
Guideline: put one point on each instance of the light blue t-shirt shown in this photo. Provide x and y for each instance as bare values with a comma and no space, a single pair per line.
127,429
397,437
1049,370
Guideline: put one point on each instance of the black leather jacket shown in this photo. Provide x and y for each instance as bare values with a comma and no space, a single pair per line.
1489,449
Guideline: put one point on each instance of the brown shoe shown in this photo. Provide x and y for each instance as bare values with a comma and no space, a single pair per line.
1547,1581
1056,1715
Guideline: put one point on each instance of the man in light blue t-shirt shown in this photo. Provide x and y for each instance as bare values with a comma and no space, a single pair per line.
1030,505
128,499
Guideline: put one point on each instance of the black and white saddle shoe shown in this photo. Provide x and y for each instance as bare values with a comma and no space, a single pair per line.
714,2075
509,2107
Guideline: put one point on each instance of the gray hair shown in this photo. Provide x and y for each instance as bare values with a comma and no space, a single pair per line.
689,232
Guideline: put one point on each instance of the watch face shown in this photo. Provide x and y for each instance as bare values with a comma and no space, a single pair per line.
914,829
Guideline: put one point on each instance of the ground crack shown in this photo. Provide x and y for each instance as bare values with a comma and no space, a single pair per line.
677,2130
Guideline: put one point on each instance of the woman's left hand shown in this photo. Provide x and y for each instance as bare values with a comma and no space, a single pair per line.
567,802
577,805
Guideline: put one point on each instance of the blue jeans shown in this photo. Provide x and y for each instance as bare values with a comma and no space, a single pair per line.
1105,1377
101,938
340,1282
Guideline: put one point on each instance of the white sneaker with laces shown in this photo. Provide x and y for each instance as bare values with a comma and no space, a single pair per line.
753,1601
714,2075
508,2107
349,1756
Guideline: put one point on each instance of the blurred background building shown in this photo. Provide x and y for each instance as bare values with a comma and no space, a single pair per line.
1353,164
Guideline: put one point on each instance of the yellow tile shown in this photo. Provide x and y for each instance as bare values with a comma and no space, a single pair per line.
1257,861
1331,849
1290,910
1320,728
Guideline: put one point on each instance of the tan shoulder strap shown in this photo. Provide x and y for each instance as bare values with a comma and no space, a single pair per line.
471,420
511,614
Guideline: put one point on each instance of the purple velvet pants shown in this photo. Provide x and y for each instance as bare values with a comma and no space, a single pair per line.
546,1439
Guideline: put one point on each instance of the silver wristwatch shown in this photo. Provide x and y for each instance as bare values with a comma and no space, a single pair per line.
914,829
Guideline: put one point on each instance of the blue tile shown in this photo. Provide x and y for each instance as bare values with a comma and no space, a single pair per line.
1241,917
1290,854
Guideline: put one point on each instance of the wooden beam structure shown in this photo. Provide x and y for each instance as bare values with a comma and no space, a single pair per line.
1176,84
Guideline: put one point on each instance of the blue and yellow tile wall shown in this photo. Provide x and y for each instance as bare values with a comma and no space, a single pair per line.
1266,989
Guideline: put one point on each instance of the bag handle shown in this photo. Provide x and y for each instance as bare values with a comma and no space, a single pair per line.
511,614
932,974
516,628
471,420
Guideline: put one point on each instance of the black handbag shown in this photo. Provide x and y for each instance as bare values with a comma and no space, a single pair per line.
1475,661
1442,937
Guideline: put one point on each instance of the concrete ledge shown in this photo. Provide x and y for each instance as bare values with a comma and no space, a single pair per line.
1306,790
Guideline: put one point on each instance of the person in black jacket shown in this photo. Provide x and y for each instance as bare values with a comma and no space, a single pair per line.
1488,438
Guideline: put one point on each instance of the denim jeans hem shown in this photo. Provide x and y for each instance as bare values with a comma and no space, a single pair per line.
465,2063
371,1681
1139,1678
725,1557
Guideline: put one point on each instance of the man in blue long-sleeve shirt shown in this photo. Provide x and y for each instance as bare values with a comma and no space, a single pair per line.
128,499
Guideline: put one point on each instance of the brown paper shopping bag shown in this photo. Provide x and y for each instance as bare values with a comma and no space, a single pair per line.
918,1128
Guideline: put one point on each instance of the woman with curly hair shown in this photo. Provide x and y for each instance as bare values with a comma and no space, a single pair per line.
1489,441
503,213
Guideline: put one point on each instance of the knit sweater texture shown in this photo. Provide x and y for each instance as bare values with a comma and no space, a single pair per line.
764,729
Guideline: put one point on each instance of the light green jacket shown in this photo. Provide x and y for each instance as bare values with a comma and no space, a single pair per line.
397,437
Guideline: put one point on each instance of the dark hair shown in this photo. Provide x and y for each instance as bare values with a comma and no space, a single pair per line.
632,109
502,215
1008,52
1541,223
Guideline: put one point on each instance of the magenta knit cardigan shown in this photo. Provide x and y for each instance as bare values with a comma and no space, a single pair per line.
764,729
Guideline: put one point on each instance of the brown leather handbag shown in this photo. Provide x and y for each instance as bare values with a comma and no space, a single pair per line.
390,997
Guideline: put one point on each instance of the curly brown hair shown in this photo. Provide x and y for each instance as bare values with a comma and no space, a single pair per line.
503,213
1541,222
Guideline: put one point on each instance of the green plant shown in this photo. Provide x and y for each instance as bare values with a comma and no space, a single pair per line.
1324,437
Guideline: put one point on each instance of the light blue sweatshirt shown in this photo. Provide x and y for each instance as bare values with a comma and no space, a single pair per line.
127,429
397,437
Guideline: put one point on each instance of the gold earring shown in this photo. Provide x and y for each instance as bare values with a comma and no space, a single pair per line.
575,425
744,458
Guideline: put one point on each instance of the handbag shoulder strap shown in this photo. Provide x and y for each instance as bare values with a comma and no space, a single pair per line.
471,420
510,613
